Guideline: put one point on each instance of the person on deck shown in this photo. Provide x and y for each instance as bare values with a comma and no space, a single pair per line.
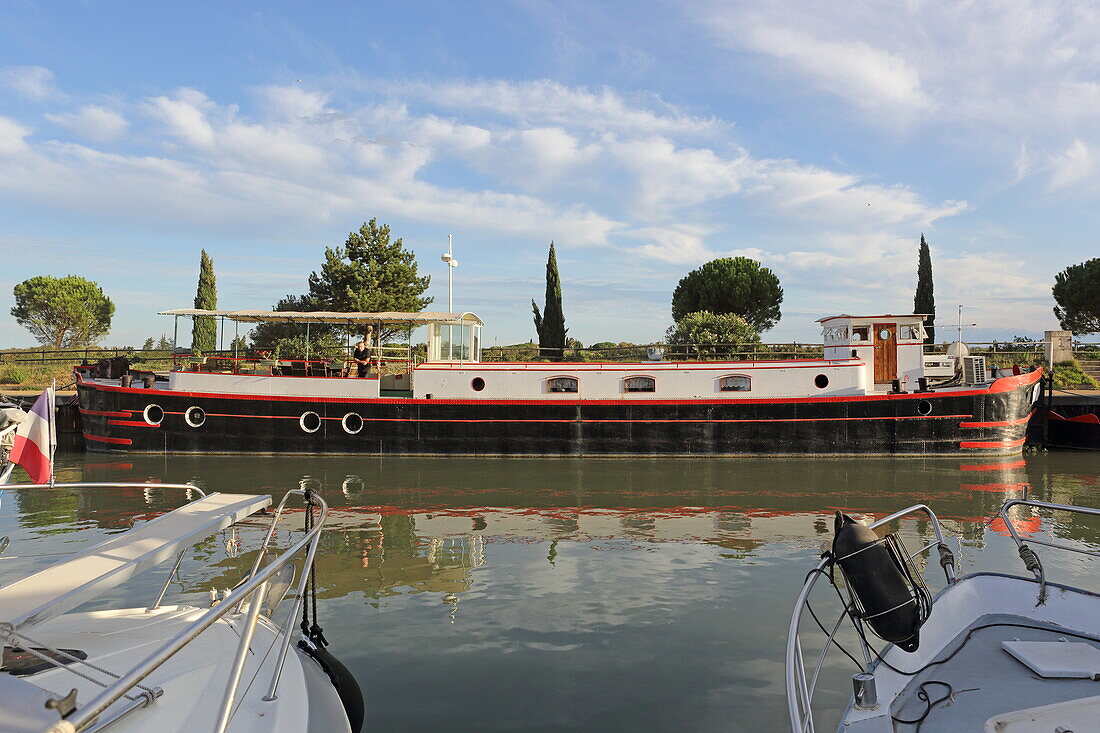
361,356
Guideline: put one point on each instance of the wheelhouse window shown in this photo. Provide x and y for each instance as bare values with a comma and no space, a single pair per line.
861,333
912,333
835,333
639,384
561,384
736,383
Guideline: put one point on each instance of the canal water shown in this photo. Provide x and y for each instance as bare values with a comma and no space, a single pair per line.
563,594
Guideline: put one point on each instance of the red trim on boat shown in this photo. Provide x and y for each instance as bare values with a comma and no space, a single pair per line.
1004,384
132,423
656,366
998,423
524,420
992,444
105,439
104,413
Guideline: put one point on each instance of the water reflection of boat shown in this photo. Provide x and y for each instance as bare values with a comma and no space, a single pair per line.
990,651
171,667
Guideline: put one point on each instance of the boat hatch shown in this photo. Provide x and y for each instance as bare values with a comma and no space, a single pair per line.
65,585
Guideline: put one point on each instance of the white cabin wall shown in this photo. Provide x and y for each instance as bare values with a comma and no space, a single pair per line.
269,385
605,381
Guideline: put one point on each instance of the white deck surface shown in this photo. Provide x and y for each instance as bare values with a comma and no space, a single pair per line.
193,680
65,585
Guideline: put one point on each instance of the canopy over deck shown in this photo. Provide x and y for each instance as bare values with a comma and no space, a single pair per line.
886,316
66,584
385,317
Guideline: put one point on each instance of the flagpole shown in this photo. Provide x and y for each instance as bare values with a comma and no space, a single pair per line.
53,425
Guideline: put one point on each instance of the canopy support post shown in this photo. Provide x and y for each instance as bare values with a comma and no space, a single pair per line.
221,336
236,336
307,343
175,332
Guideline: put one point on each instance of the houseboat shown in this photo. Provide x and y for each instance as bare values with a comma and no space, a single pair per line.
869,395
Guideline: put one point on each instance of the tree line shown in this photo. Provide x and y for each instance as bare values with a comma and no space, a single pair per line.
729,301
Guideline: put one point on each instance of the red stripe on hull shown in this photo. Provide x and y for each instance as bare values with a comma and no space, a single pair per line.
994,444
1004,384
997,424
104,413
105,439
132,423
594,420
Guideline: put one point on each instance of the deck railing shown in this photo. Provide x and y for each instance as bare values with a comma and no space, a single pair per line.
90,716
999,353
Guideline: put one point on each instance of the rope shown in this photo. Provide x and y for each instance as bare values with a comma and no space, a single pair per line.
31,643
1032,563
311,629
947,558
922,695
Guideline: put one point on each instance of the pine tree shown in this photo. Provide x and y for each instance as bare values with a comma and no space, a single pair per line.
925,300
204,332
148,345
370,273
550,324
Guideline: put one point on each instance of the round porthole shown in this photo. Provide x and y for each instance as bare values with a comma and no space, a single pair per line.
821,381
352,423
884,334
310,422
194,416
478,384
924,407
153,414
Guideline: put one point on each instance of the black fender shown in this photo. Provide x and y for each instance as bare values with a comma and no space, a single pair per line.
351,696
876,578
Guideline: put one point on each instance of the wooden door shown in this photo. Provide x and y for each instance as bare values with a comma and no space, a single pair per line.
886,352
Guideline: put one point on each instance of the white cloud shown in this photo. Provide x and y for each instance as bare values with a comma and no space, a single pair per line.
12,136
677,245
983,75
544,102
647,189
839,197
184,115
870,77
1068,168
33,82
92,122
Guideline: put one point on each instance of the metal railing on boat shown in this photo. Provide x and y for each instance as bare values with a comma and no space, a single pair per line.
90,717
800,689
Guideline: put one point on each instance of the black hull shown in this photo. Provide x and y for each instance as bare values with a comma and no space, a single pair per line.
989,421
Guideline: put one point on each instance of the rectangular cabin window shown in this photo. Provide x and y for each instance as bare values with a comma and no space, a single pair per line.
736,383
836,333
561,384
639,384
912,333
861,333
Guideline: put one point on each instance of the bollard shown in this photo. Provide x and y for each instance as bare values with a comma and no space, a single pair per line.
865,694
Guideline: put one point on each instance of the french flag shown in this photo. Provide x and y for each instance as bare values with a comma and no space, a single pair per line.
34,440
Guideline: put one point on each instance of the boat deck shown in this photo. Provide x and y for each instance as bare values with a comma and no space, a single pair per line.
985,679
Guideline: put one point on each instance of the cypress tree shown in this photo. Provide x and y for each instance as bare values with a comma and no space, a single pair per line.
204,331
925,300
550,324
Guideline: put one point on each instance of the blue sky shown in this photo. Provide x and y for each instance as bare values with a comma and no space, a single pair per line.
643,138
